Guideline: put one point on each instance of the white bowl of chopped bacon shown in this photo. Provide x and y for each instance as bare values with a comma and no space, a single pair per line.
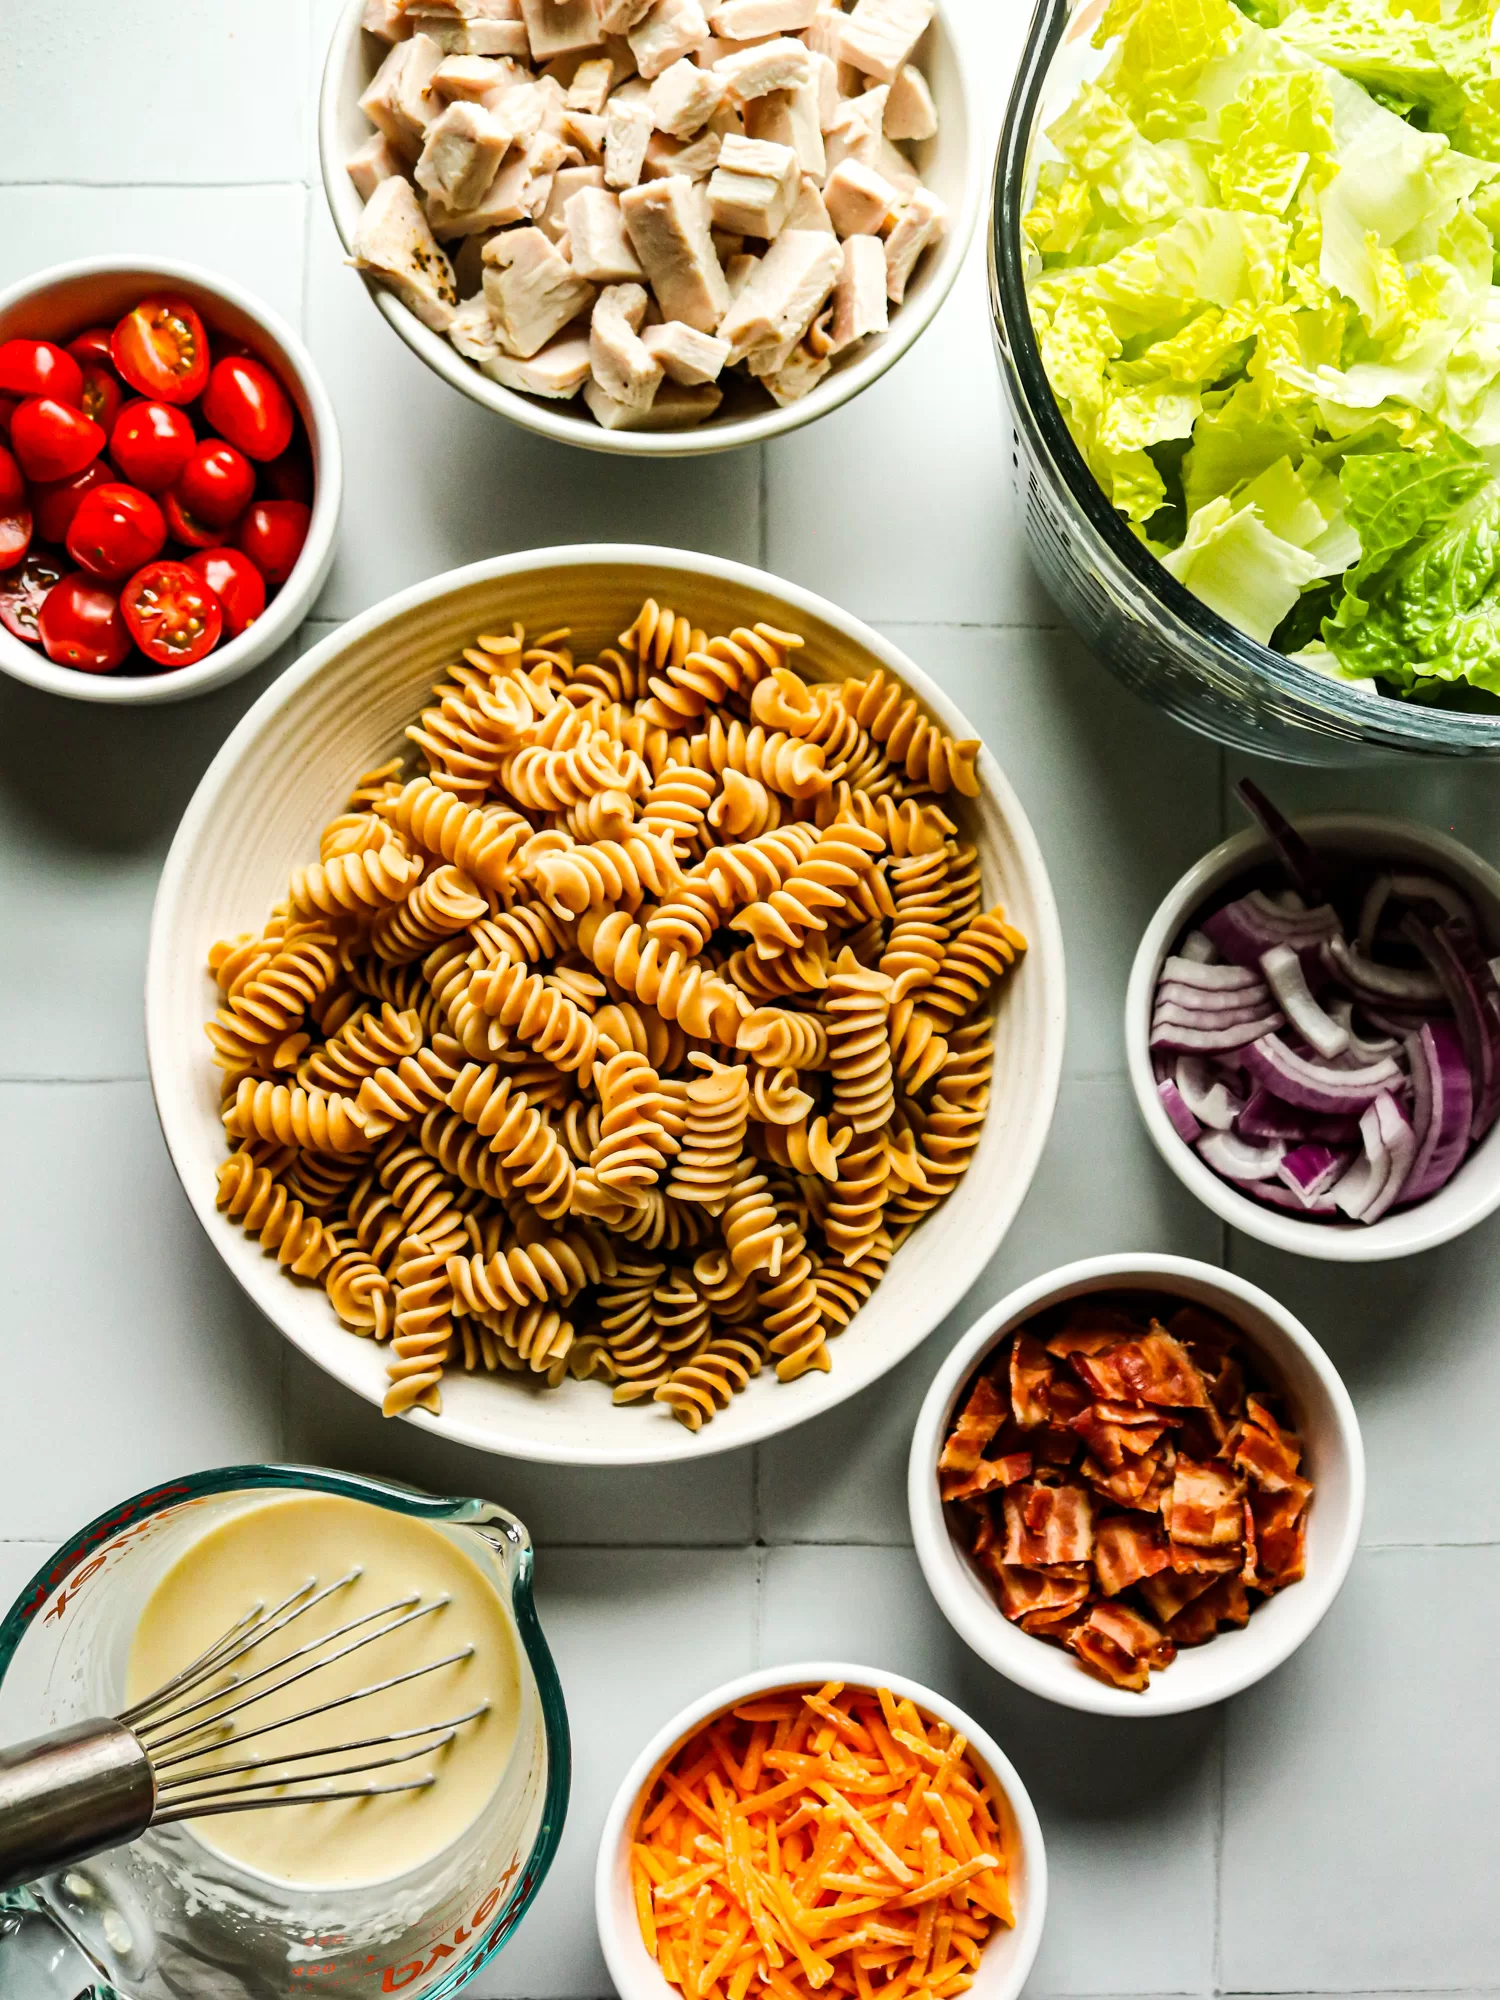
821,1829
1136,1485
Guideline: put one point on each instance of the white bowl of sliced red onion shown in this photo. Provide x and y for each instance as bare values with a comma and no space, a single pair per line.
1313,1032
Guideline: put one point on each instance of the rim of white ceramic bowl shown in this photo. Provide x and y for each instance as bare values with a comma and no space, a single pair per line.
559,422
291,603
637,1976
781,1412
1405,1232
1035,1664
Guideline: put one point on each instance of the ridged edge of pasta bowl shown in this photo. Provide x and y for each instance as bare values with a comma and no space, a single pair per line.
288,768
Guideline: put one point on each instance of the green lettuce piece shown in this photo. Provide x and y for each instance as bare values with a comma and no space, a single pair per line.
1240,568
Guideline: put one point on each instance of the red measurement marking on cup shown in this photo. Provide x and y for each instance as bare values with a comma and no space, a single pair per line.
395,1978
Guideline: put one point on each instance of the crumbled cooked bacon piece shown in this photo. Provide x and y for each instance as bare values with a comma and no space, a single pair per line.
1131,1471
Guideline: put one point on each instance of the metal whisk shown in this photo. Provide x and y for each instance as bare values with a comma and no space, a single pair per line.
100,1783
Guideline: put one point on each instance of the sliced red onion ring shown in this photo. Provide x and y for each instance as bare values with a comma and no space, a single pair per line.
1315,1086
1287,980
1209,978
1210,1099
1184,1123
1198,949
1244,929
1208,1041
1256,998
1453,952
1431,889
1442,1108
1274,1195
1379,982
1310,1170
1373,1183
1241,1159
1342,1011
1267,1117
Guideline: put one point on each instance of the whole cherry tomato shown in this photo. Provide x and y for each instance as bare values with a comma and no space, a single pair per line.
217,484
162,350
15,535
37,368
12,485
55,502
236,582
52,439
81,625
173,615
101,396
288,477
21,594
272,534
115,530
91,347
245,403
185,527
151,443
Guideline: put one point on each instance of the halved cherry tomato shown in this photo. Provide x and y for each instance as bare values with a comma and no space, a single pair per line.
272,534
217,484
151,443
21,594
115,530
37,368
101,396
173,615
81,625
245,403
52,439
288,477
236,582
186,528
55,502
12,485
15,535
91,346
162,350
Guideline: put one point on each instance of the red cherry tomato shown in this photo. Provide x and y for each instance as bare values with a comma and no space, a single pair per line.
162,350
91,347
173,615
151,443
288,477
236,582
15,535
37,368
101,396
115,530
184,527
81,625
21,594
272,534
55,502
245,403
52,439
217,484
12,485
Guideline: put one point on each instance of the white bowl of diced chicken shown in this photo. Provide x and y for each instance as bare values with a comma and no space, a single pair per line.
652,226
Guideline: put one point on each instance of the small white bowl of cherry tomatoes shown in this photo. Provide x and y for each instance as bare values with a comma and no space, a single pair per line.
170,479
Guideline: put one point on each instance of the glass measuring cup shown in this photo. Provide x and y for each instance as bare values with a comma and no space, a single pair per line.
165,1917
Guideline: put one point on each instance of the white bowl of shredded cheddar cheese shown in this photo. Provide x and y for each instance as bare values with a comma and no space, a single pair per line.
974,1863
288,769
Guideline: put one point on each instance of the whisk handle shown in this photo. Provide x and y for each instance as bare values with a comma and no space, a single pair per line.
71,1794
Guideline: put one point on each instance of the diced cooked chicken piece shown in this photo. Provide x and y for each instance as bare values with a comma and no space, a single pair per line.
590,88
673,408
856,133
627,133
860,306
599,249
532,290
376,160
670,156
393,243
585,134
622,364
478,79
462,154
472,27
472,331
684,98
386,19
879,36
860,201
567,182
825,81
395,101
518,191
738,271
825,29
779,65
559,371
801,371
790,118
750,20
558,27
922,223
785,294
909,110
618,17
809,210
753,187
672,29
669,230
523,108
688,356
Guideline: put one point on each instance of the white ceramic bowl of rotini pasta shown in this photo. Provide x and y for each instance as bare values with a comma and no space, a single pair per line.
494,1172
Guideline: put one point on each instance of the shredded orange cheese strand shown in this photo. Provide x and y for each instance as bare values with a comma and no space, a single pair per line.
820,1841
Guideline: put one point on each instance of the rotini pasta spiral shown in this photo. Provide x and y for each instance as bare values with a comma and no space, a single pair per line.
929,756
914,826
776,1098
808,1147
677,805
274,996
706,677
551,780
535,1162
982,953
718,1111
296,1117
744,808
696,1389
660,638
546,1020
572,879
483,841
365,1043
827,881
606,816
356,884
263,1207
442,904
358,1290
857,1006
634,1145
788,764
554,1270
777,1037
678,988
854,1213
750,1224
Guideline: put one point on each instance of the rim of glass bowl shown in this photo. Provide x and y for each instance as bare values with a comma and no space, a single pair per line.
401,1500
1186,621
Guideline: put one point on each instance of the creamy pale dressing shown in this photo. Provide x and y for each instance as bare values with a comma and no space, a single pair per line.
266,1553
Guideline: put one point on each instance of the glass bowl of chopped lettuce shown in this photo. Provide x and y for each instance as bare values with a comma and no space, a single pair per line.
1243,272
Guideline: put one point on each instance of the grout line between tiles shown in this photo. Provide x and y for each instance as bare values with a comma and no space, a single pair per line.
164,187
132,1077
